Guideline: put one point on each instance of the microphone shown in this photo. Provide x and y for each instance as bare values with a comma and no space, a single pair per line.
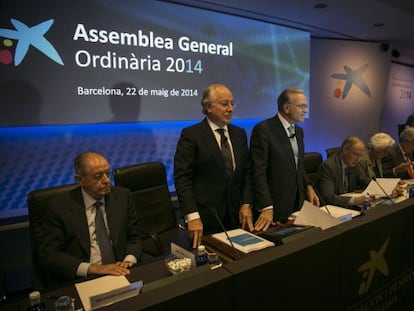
214,211
292,135
320,197
383,190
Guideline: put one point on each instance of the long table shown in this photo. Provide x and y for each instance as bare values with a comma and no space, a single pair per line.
363,264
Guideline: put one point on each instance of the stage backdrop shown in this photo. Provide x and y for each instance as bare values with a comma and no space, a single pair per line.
124,78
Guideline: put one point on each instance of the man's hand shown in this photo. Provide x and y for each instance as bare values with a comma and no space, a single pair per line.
112,269
246,217
359,200
125,264
312,196
264,221
195,231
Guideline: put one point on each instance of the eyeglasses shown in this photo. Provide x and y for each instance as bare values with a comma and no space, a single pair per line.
226,103
100,176
301,107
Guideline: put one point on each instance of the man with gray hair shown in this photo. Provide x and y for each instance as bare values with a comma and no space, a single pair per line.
398,162
379,146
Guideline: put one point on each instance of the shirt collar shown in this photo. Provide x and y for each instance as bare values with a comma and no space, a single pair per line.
285,123
88,200
214,126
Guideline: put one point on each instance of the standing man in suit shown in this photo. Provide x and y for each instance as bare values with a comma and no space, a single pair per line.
344,172
211,171
277,149
72,245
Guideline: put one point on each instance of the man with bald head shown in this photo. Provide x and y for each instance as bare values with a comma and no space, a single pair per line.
92,229
340,173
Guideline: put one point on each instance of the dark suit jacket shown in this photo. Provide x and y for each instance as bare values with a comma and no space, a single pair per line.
66,242
276,180
330,181
394,158
200,179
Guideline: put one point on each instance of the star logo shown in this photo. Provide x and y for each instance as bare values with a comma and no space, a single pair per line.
368,269
26,37
351,78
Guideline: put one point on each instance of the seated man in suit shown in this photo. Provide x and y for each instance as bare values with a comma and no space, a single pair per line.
398,161
379,146
340,173
92,229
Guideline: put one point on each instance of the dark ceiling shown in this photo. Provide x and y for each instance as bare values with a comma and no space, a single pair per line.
384,21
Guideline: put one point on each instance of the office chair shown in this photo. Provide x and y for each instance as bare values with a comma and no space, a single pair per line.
148,184
331,151
36,202
312,161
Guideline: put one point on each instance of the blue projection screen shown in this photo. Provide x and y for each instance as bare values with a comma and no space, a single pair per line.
81,62
123,78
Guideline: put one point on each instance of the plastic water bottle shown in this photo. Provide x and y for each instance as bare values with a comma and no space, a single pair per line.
35,302
202,257
367,202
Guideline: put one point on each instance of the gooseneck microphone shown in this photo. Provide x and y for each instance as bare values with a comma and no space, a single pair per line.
383,190
321,200
214,211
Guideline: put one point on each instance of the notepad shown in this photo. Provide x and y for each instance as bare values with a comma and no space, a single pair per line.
243,240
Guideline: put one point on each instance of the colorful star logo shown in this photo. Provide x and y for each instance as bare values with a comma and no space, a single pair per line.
351,78
26,37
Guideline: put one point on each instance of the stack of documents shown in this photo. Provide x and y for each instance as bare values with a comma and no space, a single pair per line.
243,240
324,217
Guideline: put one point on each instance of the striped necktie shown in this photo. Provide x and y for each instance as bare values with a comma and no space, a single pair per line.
226,153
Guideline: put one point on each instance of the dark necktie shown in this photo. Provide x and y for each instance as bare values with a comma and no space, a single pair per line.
293,142
225,150
102,237
346,180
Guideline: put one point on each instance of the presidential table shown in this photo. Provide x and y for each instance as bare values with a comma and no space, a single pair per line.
364,264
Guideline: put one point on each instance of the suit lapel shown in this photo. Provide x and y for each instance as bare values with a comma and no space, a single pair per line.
111,217
280,130
78,216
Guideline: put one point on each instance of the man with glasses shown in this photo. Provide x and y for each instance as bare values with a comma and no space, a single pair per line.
277,149
212,169
341,173
92,229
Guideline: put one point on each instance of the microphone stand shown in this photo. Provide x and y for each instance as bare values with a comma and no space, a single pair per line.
320,197
213,209
383,190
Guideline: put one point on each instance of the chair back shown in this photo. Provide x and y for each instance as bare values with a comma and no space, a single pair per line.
331,151
36,202
312,161
148,184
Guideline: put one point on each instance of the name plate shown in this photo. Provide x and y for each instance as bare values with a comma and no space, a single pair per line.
115,295
345,217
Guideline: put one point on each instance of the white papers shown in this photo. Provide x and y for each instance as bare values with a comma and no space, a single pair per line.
94,293
340,212
243,240
311,215
388,185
